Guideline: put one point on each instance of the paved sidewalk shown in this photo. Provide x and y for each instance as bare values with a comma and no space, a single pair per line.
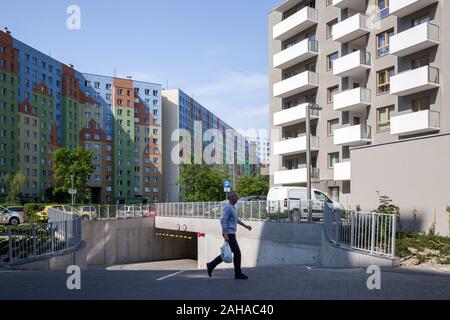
167,281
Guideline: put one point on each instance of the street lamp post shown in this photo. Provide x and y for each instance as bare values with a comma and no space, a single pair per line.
308,156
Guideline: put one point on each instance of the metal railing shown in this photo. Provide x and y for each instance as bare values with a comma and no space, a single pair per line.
365,57
288,211
370,232
44,240
432,31
433,75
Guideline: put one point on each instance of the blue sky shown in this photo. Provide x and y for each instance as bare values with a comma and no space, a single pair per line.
214,50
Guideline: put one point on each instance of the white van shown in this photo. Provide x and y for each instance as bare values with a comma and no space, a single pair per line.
295,198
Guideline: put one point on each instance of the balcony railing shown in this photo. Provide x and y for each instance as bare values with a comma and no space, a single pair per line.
415,122
353,64
296,145
296,23
295,115
352,28
415,39
402,8
353,135
295,54
299,83
353,99
414,81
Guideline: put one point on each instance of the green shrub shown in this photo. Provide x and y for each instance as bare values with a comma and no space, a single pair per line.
31,211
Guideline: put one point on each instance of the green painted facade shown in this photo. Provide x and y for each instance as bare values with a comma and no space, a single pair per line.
9,129
71,122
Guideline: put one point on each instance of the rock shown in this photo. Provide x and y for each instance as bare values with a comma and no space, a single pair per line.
412,250
414,261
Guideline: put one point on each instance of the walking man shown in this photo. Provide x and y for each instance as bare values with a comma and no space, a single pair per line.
229,224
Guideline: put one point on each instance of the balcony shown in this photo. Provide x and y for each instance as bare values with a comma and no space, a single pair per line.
295,176
295,146
414,81
402,8
297,84
352,100
352,65
357,5
415,122
295,54
352,28
342,171
421,37
293,115
353,136
300,21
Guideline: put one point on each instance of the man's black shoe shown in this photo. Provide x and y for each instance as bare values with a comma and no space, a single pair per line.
208,267
241,277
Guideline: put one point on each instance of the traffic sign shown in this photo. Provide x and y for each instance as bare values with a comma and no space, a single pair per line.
227,186
72,191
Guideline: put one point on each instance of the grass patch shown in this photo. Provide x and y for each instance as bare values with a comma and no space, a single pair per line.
427,248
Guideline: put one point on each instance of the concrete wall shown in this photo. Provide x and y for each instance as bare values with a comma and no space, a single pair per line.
272,243
267,244
58,263
335,257
131,240
414,173
171,121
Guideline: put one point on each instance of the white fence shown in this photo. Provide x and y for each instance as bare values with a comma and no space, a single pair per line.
293,211
370,232
44,240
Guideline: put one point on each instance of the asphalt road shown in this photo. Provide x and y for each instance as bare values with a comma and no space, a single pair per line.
181,281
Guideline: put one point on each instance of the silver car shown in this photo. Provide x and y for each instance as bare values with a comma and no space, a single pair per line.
8,216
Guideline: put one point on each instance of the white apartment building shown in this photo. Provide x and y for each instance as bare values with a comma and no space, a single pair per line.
376,69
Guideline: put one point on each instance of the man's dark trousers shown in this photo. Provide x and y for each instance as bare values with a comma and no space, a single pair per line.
236,255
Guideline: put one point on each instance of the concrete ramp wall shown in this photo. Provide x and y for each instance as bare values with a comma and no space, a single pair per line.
267,244
132,240
271,243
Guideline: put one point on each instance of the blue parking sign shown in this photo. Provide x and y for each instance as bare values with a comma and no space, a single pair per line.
227,185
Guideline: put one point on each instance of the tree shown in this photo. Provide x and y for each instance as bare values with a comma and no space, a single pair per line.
14,186
54,195
73,162
253,186
201,183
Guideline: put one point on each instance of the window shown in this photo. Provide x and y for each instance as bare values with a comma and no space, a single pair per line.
384,80
383,43
333,158
382,9
384,118
108,86
333,193
420,62
120,92
331,92
330,26
420,104
330,60
419,20
332,125
97,85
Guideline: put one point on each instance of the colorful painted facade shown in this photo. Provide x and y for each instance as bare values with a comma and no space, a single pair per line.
45,105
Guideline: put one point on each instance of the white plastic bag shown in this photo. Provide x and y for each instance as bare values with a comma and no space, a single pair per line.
227,254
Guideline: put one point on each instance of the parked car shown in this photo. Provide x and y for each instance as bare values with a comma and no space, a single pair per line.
129,211
17,209
10,217
294,199
87,212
